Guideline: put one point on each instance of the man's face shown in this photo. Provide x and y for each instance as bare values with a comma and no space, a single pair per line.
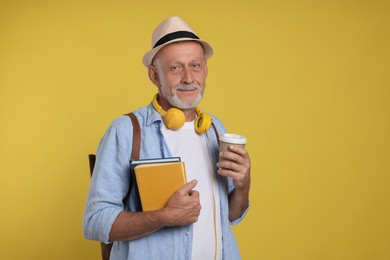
181,72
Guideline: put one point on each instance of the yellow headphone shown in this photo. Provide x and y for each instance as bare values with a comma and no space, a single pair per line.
174,118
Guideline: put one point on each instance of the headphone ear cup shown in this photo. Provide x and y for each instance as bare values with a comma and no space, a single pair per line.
203,123
174,118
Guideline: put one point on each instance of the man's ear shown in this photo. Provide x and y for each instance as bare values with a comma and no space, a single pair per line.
153,75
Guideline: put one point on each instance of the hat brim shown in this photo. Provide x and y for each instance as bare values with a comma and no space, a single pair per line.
148,57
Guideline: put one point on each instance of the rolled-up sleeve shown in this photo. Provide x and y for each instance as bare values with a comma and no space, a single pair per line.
109,183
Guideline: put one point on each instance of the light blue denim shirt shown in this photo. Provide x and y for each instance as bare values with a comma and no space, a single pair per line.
110,184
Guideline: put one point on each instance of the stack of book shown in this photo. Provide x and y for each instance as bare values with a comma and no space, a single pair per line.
157,180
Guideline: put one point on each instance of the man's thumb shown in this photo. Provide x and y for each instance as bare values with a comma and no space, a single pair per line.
189,186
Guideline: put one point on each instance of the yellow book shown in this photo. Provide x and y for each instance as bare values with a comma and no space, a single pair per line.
157,182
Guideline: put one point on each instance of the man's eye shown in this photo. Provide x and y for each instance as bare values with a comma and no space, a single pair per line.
196,66
175,68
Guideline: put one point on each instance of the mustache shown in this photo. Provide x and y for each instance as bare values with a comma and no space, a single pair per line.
187,87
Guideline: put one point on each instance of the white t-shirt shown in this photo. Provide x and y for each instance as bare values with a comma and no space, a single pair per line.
193,149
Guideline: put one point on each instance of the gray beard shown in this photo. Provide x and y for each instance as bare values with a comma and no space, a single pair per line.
175,101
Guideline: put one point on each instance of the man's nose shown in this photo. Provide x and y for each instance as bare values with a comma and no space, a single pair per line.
188,76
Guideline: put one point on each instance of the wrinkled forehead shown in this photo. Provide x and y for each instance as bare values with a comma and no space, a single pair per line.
172,50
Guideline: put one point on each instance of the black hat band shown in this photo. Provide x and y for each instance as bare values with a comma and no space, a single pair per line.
175,35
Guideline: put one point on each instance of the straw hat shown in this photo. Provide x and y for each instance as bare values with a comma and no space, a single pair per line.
173,29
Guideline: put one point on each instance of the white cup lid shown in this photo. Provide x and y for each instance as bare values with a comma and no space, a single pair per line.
233,139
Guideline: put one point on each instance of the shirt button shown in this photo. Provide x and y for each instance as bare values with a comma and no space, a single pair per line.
187,233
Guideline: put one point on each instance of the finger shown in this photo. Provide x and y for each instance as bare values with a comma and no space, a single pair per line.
194,194
186,188
231,157
228,173
236,160
239,150
230,165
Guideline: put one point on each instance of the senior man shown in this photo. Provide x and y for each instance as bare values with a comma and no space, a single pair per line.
195,223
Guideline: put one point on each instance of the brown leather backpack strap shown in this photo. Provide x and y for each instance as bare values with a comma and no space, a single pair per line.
106,250
135,151
216,132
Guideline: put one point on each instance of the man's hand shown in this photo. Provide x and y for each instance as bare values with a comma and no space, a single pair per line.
183,208
236,164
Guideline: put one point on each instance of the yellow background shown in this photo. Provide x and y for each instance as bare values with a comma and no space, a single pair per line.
308,83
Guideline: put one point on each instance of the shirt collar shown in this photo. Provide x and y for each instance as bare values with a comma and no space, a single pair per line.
152,115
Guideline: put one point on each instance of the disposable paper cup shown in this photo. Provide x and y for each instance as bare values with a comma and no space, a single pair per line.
231,139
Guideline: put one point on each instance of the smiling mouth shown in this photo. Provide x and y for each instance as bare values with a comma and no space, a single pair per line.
187,88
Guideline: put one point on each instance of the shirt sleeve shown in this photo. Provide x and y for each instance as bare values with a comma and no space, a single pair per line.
110,182
221,130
